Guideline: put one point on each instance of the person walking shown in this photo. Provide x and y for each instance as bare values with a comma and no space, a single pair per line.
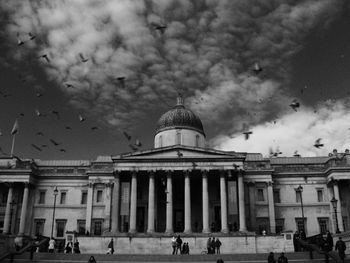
68,248
111,247
76,248
212,245
92,260
271,258
282,258
217,245
329,239
52,244
209,245
341,247
178,244
326,248
173,244
296,244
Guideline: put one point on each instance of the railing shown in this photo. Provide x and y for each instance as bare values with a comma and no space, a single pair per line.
29,247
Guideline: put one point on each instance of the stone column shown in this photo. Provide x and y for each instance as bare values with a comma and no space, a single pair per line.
339,212
133,203
205,202
151,193
108,194
271,208
242,223
22,223
90,199
8,210
252,215
169,204
188,227
115,204
223,203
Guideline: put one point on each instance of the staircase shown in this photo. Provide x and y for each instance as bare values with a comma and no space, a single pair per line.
298,257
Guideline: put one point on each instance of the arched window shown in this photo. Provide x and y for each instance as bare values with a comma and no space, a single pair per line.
160,141
197,140
178,137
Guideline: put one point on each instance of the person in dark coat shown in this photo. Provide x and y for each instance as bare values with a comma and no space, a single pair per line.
341,247
68,248
296,244
212,245
217,245
209,245
326,248
282,258
329,239
178,244
111,247
219,260
271,258
92,260
76,248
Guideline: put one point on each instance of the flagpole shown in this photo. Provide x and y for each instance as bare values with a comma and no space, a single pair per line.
13,144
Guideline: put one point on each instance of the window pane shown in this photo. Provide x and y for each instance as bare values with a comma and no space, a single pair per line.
81,227
260,194
98,228
323,223
63,198
39,226
99,196
60,225
84,197
276,196
42,197
297,196
320,195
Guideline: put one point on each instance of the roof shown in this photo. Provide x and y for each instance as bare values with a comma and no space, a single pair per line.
62,162
299,160
103,159
251,157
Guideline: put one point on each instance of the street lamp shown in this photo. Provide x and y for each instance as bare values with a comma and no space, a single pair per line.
300,191
55,193
12,203
334,204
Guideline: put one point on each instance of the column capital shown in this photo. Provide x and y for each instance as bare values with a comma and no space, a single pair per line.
205,173
151,173
251,183
10,184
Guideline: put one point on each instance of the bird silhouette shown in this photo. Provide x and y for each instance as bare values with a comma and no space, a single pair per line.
54,142
63,150
46,57
132,147
138,143
82,58
68,85
94,128
4,94
127,136
257,69
81,118
56,113
121,81
36,147
318,143
68,128
19,41
160,28
296,154
40,133
44,145
275,153
246,131
38,94
294,105
31,36
38,113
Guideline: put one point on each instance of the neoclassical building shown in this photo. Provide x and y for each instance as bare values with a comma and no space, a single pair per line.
179,186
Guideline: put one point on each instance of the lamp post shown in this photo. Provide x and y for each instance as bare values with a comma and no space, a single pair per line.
300,191
334,204
55,193
12,203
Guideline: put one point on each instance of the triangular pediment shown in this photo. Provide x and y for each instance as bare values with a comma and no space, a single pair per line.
179,152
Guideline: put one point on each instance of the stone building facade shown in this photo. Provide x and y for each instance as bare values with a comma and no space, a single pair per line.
179,186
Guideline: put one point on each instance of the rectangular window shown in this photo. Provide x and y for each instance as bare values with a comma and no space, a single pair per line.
60,227
97,227
260,192
279,225
63,198
323,224
276,196
84,197
320,195
345,223
178,137
300,224
99,198
297,196
81,227
39,226
42,197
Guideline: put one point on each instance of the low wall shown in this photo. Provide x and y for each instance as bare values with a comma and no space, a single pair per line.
162,245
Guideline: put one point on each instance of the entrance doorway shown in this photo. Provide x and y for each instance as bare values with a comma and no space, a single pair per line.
179,220
216,225
140,219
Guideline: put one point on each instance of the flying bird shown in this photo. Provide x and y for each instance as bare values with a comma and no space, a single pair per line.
38,94
44,145
36,147
68,128
275,153
21,114
161,28
294,105
133,147
40,133
257,69
31,36
246,132
318,143
54,142
121,82
138,143
82,58
296,154
81,118
68,85
38,113
94,128
63,150
56,113
127,136
19,41
46,57
4,94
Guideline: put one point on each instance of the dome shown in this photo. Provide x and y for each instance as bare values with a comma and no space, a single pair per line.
179,117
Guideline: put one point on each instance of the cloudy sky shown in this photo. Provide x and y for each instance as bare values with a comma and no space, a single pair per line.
68,57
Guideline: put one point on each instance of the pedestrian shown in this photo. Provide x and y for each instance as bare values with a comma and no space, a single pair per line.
69,247
326,248
185,248
271,258
174,244
18,243
209,245
52,244
111,247
76,247
178,244
212,245
302,235
329,239
219,260
92,260
282,258
341,247
217,245
296,237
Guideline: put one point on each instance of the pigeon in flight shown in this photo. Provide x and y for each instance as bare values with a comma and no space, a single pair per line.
81,118
257,69
68,128
63,150
40,133
54,142
94,128
56,113
83,59
246,132
318,143
296,154
68,85
19,41
38,113
294,105
132,147
161,28
46,57
44,145
38,94
31,36
121,82
36,147
127,136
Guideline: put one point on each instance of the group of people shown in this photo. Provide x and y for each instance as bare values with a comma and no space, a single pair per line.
213,245
281,259
178,247
69,248
298,236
